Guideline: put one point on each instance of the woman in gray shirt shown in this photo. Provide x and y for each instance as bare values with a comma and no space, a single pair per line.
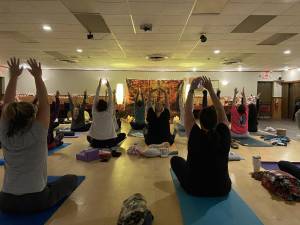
23,134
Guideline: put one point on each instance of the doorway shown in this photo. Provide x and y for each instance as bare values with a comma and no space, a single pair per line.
265,88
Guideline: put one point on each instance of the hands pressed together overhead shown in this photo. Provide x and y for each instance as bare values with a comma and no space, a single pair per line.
203,81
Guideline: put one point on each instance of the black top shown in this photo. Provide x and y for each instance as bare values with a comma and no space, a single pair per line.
159,127
208,160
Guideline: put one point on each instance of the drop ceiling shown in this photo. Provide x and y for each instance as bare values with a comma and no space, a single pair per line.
177,26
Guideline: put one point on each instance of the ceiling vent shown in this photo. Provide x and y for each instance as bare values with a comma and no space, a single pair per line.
238,59
231,61
157,57
71,61
61,57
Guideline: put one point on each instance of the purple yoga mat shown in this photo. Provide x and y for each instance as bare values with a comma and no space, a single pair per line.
274,165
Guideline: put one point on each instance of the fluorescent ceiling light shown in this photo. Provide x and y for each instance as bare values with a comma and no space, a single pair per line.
79,50
217,51
194,69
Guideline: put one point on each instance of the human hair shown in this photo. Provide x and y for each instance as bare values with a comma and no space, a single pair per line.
139,103
20,116
208,118
102,105
241,109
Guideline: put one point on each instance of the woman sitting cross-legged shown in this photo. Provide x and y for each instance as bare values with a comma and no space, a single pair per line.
23,134
239,117
158,128
139,112
102,133
78,120
205,172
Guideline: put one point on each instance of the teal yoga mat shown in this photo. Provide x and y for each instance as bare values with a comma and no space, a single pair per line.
252,142
230,210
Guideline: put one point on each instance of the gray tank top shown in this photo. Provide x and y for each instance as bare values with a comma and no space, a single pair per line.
25,158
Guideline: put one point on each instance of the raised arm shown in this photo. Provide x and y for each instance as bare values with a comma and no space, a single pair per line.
149,100
137,96
110,104
43,114
234,96
96,98
57,104
84,100
180,95
143,97
14,72
70,101
244,102
167,103
189,119
222,118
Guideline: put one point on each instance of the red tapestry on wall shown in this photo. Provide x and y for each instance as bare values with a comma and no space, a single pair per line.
171,86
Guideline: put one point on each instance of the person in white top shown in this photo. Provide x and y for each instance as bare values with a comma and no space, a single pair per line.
102,133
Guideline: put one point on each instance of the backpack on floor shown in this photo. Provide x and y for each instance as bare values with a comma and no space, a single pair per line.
135,212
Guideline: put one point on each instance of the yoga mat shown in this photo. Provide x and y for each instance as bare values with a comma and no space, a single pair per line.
53,150
50,152
230,210
252,142
274,166
34,218
75,136
136,133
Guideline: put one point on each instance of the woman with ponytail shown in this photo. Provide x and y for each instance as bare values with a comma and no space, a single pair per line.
205,172
23,134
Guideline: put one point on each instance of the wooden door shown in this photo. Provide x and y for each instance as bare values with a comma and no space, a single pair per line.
285,101
294,96
265,88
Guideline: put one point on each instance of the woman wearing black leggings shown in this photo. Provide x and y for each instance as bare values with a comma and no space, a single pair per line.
290,168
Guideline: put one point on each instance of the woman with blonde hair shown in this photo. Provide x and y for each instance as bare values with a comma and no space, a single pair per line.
23,134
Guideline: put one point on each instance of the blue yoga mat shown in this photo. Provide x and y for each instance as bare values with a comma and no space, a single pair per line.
50,152
230,210
252,142
34,218
274,165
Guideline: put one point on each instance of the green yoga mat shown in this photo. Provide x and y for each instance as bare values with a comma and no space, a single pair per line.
252,142
230,210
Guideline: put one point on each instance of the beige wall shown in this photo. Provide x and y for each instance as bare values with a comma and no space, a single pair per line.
291,75
76,81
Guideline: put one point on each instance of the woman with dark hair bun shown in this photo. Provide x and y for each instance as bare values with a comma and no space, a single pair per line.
102,133
239,116
23,134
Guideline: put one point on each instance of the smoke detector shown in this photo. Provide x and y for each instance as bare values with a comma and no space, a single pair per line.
146,27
